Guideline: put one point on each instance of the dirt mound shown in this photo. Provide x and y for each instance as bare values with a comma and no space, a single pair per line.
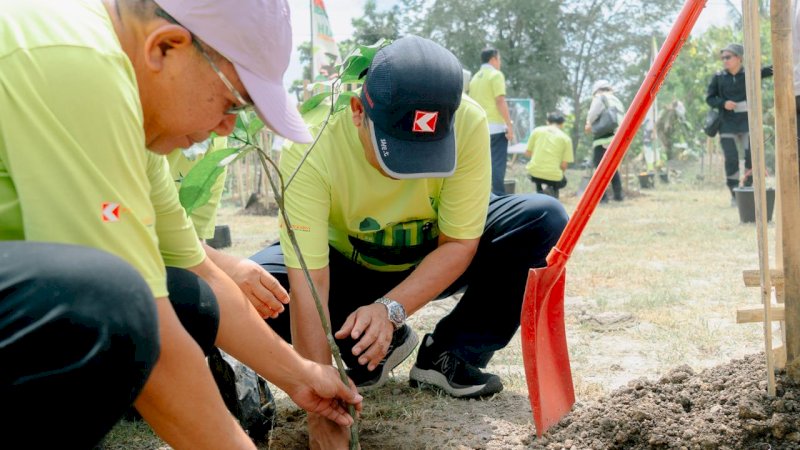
725,407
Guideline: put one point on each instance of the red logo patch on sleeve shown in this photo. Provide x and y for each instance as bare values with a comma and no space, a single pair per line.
425,121
110,212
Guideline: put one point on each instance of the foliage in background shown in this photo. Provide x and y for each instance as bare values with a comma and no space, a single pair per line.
554,51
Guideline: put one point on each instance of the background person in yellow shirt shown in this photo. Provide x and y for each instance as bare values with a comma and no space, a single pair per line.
550,151
392,210
86,88
488,88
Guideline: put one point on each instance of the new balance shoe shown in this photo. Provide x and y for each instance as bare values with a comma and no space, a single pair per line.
446,371
404,341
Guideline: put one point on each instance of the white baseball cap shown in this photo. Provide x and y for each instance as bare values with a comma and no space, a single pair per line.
256,36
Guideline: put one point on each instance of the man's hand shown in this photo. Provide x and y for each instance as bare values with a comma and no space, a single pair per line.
370,325
322,392
730,106
587,129
509,133
261,288
324,434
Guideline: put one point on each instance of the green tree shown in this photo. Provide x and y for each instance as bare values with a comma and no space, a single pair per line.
608,40
692,71
372,26
526,33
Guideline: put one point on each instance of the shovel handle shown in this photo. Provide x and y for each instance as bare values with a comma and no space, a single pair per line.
627,130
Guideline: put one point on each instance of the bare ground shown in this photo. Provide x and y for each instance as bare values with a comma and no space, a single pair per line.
653,285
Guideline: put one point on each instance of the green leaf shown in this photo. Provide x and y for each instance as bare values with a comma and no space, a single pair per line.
343,100
313,102
254,126
196,185
359,60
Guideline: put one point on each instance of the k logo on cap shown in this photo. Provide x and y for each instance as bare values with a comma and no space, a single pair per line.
425,122
411,93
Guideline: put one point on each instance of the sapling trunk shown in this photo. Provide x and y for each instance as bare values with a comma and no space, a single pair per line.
279,190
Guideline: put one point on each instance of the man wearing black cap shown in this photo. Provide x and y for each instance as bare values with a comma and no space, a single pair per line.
727,93
392,209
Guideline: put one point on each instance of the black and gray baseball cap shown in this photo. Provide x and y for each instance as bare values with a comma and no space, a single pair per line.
411,94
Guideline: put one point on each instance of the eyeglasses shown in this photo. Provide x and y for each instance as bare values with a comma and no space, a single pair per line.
726,57
243,105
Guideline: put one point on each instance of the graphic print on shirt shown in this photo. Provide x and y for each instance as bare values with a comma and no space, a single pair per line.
393,244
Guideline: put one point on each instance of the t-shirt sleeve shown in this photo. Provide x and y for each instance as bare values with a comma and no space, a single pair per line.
464,198
532,141
499,84
568,156
71,141
204,218
307,201
178,242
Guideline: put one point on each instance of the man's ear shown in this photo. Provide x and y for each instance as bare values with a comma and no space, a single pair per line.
358,111
161,40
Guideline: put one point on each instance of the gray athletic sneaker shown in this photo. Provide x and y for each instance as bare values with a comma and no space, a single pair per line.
404,341
445,370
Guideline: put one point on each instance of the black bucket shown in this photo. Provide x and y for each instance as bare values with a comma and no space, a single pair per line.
510,185
647,180
222,237
745,200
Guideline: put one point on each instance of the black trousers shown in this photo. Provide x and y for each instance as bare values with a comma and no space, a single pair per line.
195,305
499,149
555,186
520,231
616,182
730,143
78,339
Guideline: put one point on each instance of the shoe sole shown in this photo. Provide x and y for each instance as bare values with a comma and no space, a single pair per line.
432,378
400,354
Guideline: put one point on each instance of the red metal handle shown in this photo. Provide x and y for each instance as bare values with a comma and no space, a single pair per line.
627,131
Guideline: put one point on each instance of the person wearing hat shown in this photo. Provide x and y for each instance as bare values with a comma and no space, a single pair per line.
90,219
392,209
550,151
603,99
727,92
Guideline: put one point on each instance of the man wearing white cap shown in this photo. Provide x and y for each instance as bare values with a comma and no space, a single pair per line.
86,87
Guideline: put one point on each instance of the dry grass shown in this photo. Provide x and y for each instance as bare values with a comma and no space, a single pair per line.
670,258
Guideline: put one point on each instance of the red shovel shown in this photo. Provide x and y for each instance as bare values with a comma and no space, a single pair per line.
544,343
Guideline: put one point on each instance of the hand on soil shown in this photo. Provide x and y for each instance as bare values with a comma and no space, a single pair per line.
262,289
324,434
324,394
371,327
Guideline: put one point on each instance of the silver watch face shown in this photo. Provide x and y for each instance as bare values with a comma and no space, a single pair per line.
396,313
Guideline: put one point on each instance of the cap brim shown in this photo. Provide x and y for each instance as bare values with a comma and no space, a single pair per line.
274,107
403,159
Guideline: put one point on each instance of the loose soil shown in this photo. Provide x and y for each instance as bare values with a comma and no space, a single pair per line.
725,407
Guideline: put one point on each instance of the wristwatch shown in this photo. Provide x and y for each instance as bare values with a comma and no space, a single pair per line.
397,313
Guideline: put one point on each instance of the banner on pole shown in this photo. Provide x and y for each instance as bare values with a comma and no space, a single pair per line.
325,54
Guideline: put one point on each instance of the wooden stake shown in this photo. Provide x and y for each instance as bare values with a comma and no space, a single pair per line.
781,15
752,65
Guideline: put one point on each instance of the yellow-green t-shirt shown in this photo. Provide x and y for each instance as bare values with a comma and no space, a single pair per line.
73,164
339,200
486,85
550,147
203,218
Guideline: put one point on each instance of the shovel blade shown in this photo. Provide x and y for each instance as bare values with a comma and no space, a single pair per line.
544,348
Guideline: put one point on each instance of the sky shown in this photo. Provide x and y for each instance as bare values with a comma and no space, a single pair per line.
342,12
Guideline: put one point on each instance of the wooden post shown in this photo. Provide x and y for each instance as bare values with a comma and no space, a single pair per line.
781,15
752,65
